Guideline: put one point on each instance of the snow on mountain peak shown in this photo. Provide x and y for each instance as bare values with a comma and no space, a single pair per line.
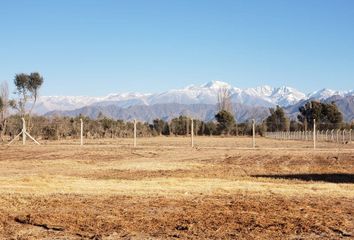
215,84
265,96
324,93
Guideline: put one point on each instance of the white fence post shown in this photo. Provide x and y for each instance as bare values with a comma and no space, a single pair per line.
314,133
343,136
327,135
192,133
81,132
134,132
253,133
23,131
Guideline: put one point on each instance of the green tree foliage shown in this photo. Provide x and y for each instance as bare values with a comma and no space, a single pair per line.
27,87
210,128
179,126
1,104
277,121
166,129
226,122
327,115
4,105
158,125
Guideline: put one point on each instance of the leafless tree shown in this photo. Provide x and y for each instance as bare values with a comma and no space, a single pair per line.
224,100
4,107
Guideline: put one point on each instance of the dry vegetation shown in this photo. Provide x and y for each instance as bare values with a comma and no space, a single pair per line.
165,189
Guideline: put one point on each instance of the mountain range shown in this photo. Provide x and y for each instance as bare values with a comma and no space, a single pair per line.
195,101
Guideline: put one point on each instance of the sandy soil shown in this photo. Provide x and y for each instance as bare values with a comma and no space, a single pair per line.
166,190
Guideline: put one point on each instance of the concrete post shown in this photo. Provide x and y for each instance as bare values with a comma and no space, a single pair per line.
192,133
253,133
81,132
134,132
314,134
343,136
24,130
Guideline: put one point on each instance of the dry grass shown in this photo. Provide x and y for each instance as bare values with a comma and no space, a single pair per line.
165,189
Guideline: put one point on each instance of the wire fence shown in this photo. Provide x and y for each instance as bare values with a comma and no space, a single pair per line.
344,136
320,139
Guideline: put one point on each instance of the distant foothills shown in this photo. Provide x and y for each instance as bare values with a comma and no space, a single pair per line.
198,102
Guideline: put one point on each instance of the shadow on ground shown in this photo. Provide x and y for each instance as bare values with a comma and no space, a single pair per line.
323,177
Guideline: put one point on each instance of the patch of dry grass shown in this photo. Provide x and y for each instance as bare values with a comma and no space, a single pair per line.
176,191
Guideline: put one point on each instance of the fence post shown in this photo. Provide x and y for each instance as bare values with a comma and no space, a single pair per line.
23,131
338,130
314,133
81,132
192,133
134,132
327,135
350,135
343,136
253,133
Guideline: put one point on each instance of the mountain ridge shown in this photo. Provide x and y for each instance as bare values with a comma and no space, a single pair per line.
261,97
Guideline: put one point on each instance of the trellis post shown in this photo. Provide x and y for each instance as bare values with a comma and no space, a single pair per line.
134,132
253,133
192,133
81,132
314,133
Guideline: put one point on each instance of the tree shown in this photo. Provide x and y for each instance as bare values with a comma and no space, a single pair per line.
166,129
224,100
226,122
158,125
4,105
34,83
179,126
277,121
327,115
27,88
210,128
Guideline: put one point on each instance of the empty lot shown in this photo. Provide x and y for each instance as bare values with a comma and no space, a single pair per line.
165,189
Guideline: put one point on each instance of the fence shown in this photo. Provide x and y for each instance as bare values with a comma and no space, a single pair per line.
336,136
333,135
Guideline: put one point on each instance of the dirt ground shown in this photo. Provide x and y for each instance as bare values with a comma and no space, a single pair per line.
163,189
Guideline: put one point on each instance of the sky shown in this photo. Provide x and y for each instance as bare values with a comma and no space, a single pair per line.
97,47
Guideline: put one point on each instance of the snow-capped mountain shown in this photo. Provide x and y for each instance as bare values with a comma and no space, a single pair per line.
262,96
327,93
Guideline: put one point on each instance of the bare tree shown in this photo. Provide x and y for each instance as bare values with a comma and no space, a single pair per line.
4,107
224,100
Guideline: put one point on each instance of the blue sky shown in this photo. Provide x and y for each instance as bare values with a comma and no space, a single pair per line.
87,47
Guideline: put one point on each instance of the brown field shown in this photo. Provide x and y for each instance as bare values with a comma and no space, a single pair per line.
222,189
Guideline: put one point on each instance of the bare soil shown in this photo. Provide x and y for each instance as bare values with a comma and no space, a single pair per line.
107,190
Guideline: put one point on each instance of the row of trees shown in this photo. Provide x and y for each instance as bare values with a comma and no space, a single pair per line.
56,128
27,86
327,116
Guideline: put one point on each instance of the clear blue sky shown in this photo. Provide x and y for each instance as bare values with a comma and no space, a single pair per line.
85,47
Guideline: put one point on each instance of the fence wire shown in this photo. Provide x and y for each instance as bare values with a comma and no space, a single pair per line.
344,136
